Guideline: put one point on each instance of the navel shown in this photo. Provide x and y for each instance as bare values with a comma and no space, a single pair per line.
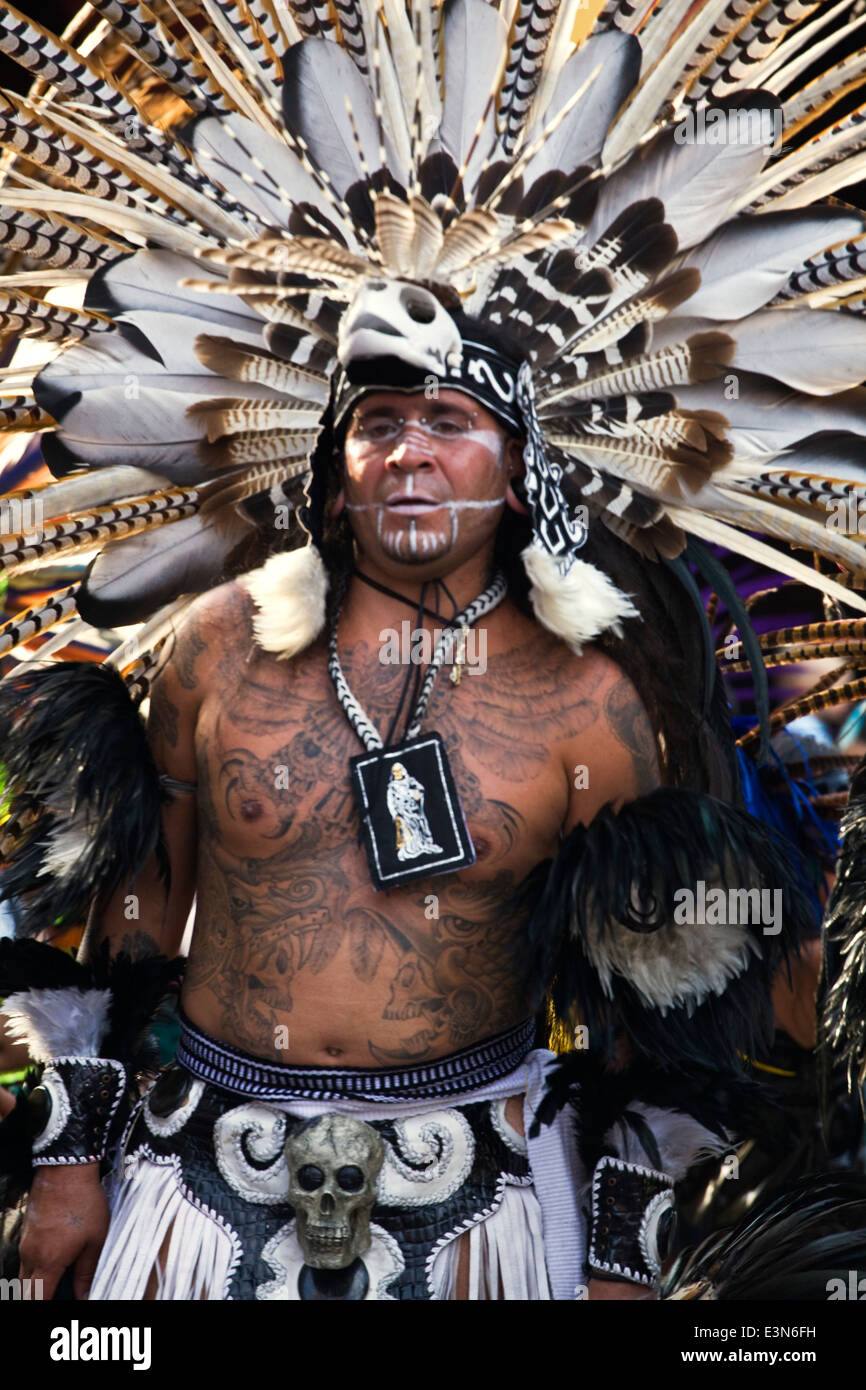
334,1051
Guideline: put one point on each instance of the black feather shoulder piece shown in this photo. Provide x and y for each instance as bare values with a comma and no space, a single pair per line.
665,923
652,1117
82,798
136,982
842,1023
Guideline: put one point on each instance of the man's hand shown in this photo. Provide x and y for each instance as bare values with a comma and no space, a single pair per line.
615,1289
65,1224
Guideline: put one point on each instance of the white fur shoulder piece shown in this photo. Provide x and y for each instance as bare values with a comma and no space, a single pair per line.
289,592
681,1140
678,966
578,606
58,1022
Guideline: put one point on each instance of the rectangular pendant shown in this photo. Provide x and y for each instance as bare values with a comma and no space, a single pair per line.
410,813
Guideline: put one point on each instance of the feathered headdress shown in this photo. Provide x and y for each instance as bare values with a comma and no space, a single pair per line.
639,206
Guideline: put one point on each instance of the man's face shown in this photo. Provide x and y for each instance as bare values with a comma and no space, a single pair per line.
426,480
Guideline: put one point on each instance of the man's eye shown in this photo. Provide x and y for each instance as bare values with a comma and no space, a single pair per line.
378,429
449,426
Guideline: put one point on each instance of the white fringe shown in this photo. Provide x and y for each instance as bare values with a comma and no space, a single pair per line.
201,1253
506,1254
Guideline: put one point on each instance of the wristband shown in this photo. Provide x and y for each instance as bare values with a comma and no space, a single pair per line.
72,1109
633,1217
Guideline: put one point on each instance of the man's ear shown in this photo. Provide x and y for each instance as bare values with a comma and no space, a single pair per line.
514,463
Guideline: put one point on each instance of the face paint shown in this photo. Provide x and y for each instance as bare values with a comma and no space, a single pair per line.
394,436
421,477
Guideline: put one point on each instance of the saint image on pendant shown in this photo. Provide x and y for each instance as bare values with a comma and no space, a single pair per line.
405,800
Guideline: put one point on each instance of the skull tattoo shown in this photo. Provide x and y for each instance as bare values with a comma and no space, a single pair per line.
333,1165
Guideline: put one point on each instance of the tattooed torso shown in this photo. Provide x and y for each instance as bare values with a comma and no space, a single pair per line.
294,954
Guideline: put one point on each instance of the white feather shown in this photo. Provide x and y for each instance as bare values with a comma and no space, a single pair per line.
289,592
579,137
816,186
746,263
263,174
639,113
817,351
475,48
579,606
58,1022
681,1140
80,493
711,529
129,221
766,418
68,842
322,80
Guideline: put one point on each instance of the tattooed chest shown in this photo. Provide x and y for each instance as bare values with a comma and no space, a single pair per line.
274,749
263,794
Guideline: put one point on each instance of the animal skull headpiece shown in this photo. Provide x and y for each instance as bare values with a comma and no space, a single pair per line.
393,318
397,336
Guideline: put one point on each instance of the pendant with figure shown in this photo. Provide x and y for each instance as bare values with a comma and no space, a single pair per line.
410,813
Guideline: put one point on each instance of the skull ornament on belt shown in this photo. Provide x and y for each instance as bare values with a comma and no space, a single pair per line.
333,1166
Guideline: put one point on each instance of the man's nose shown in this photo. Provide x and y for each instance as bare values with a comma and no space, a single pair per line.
412,449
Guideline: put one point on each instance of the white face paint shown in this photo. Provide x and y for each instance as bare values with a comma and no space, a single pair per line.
404,543
421,477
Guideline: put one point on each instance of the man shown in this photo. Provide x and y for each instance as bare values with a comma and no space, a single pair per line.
327,238
296,959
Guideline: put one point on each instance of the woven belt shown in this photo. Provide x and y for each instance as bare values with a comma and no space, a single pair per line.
236,1071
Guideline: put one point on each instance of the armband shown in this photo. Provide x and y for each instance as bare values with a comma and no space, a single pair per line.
88,1025
633,1221
72,1109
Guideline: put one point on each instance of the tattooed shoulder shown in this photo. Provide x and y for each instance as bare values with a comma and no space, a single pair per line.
629,723
163,716
217,622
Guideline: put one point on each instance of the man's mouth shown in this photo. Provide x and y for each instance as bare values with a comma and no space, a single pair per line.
412,504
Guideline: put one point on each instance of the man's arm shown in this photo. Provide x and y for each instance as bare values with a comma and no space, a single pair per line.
615,760
151,914
611,763
67,1214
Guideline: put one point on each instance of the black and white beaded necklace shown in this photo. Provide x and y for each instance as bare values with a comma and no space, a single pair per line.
412,823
